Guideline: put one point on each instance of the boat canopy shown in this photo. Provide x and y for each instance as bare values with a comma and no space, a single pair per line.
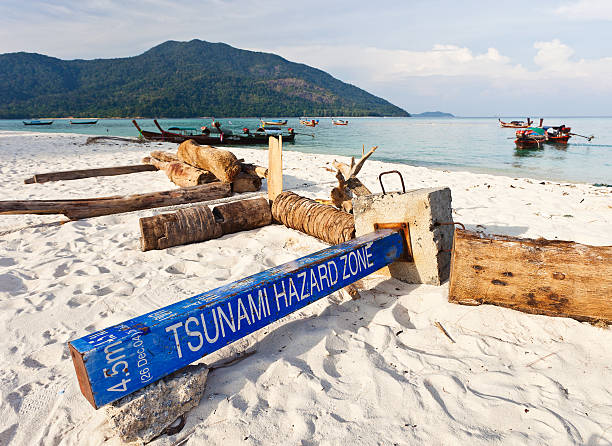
536,130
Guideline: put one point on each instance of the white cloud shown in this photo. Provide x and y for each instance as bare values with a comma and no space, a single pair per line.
554,61
386,65
587,10
455,78
553,56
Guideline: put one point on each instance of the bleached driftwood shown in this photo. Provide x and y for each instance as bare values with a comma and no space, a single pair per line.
223,164
87,173
163,155
348,183
249,168
95,139
94,207
181,174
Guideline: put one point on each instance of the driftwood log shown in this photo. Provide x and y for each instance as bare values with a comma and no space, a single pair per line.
252,169
163,155
94,207
246,182
550,277
352,182
221,163
348,183
96,139
308,216
194,224
243,215
87,173
199,223
181,174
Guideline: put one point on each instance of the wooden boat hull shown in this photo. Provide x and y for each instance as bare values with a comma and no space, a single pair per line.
557,134
529,144
558,139
530,138
238,140
37,122
274,122
90,122
311,123
511,125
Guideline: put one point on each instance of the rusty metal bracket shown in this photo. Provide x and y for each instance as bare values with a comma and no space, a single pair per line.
388,172
450,223
404,230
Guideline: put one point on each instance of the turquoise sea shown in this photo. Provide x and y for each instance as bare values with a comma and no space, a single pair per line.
471,144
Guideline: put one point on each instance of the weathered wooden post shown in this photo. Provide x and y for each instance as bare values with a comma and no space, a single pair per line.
275,166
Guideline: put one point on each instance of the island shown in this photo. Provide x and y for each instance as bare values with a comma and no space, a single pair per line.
434,114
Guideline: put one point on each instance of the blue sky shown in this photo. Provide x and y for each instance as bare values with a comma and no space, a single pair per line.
471,58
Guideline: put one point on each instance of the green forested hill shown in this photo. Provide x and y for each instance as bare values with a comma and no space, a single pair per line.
178,79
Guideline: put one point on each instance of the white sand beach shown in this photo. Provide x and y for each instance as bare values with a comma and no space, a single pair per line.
363,372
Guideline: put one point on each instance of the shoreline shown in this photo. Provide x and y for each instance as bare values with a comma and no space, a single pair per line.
290,147
331,373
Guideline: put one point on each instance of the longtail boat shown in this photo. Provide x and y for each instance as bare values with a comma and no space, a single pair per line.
515,124
274,122
214,136
339,122
557,135
309,122
37,122
530,138
84,122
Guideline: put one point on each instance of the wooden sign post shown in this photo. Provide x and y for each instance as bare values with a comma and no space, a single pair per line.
275,166
121,359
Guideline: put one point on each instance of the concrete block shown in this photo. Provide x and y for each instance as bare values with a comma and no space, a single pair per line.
421,209
146,413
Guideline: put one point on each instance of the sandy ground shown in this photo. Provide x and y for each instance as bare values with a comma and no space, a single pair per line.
372,371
